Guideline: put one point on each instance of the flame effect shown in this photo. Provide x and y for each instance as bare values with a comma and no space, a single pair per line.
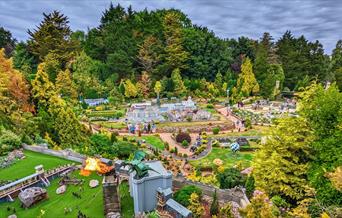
94,164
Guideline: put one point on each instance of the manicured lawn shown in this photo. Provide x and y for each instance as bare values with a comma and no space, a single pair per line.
113,125
227,156
255,131
154,141
25,167
91,202
126,201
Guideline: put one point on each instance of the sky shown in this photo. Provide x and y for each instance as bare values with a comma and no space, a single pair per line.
316,19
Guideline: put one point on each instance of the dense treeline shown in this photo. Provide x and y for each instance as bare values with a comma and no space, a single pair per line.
128,44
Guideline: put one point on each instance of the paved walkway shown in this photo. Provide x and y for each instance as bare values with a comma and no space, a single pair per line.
167,137
237,122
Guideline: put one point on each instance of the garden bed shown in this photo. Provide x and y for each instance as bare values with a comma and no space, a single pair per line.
228,158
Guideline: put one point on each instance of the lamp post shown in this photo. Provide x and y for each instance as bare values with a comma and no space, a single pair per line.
228,106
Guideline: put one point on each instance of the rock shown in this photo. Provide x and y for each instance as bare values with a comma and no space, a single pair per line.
12,216
93,183
61,189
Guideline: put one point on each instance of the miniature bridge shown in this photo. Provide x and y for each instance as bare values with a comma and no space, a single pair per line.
12,190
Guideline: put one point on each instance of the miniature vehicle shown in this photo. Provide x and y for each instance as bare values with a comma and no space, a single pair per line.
31,196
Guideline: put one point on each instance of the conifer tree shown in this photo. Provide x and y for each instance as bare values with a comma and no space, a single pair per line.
149,53
214,207
130,89
42,87
65,85
247,83
176,56
53,35
281,164
144,84
179,87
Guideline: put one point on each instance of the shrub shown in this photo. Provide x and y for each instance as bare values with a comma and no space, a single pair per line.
185,155
210,106
248,123
182,196
250,186
189,119
279,202
185,143
124,149
216,130
183,136
230,178
10,138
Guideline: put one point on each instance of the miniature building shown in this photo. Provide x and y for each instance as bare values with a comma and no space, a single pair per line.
96,102
144,190
32,195
166,203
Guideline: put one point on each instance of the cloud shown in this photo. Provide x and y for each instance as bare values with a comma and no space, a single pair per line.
316,19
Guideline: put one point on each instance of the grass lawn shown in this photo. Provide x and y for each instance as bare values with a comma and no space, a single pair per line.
113,125
255,131
22,168
91,203
228,158
126,201
153,140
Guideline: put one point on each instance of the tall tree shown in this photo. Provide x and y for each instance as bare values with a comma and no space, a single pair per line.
281,164
301,58
336,64
86,73
273,82
42,88
7,41
24,60
177,80
322,108
14,90
149,53
247,83
144,84
53,35
130,89
176,56
65,85
70,132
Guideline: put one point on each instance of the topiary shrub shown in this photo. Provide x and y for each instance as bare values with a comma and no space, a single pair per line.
185,143
210,106
216,130
182,196
183,136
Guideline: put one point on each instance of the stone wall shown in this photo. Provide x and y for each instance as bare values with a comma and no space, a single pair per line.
65,154
235,194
